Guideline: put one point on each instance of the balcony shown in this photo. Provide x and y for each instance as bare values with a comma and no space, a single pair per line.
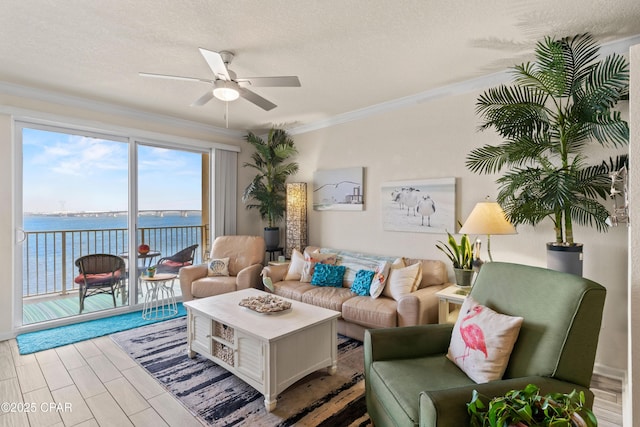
48,288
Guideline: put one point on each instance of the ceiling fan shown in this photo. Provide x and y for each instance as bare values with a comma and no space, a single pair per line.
228,87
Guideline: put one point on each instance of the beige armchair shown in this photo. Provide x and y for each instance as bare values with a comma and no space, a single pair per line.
246,256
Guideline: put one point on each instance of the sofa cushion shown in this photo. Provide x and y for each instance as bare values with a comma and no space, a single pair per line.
434,272
209,286
371,312
328,275
398,384
482,341
362,283
327,297
292,289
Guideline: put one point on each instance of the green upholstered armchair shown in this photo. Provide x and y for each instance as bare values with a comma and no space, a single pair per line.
410,382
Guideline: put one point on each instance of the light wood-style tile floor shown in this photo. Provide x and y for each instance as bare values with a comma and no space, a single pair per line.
90,383
95,383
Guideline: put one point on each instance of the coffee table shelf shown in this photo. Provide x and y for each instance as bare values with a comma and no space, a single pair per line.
268,352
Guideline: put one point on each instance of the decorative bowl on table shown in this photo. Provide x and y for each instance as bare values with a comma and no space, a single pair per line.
265,304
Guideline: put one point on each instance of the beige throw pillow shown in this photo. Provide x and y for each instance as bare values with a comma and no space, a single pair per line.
482,341
398,263
218,267
402,281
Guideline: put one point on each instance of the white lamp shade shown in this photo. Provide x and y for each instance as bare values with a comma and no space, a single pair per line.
487,218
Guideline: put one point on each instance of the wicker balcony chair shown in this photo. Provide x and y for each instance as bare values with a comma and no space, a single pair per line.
99,274
173,263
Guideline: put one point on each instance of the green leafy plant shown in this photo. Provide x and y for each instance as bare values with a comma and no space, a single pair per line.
460,254
528,408
267,192
547,119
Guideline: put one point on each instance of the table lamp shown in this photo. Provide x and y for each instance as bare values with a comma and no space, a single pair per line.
487,218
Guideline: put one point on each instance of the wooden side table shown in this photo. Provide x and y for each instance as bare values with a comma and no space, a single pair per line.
449,301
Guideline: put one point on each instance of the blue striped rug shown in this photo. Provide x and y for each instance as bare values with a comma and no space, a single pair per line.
32,342
219,398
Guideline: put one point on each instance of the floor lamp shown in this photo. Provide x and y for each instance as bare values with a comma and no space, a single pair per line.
487,218
296,217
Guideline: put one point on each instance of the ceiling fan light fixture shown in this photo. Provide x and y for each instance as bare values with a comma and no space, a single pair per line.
225,90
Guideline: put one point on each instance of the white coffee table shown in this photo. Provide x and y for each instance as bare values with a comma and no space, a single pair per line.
267,351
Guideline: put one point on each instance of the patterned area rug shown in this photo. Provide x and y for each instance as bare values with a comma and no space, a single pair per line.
221,399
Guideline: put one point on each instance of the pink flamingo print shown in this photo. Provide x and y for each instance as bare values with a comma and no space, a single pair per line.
472,335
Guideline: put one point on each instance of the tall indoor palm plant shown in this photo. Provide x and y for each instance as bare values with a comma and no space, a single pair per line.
267,192
555,108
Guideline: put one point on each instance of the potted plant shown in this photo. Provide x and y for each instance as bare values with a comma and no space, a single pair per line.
548,118
266,191
528,408
461,256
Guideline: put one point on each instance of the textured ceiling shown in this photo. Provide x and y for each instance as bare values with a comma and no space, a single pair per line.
348,54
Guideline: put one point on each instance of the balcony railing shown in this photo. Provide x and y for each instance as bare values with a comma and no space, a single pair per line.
49,256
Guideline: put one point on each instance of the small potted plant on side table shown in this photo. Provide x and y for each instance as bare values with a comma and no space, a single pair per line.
461,256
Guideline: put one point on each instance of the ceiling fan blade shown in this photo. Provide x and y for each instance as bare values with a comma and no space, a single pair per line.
279,81
206,97
256,99
170,77
215,62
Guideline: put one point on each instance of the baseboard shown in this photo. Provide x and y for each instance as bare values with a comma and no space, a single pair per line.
7,336
609,372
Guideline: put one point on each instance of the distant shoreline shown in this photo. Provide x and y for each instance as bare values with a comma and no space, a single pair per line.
148,212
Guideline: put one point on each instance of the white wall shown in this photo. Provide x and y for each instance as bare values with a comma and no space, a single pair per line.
431,140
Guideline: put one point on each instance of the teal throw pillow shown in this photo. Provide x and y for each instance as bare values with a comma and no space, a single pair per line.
328,275
362,282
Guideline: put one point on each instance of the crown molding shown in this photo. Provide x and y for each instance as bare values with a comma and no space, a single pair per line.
113,109
475,84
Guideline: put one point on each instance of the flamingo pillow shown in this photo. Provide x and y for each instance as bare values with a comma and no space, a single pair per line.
482,341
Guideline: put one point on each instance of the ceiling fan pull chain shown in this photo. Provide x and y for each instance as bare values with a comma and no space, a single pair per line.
226,113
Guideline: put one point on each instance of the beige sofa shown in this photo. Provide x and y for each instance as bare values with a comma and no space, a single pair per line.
364,312
246,257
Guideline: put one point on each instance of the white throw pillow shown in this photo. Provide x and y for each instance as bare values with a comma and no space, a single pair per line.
295,266
482,341
379,279
218,267
402,281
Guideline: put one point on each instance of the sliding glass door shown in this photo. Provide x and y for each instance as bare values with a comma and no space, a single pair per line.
83,193
171,224
74,203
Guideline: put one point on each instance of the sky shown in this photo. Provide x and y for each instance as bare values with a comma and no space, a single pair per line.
75,173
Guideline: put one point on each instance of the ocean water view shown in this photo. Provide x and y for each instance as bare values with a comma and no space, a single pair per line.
53,243
51,222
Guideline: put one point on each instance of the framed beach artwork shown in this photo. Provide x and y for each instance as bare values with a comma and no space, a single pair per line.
338,189
423,206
